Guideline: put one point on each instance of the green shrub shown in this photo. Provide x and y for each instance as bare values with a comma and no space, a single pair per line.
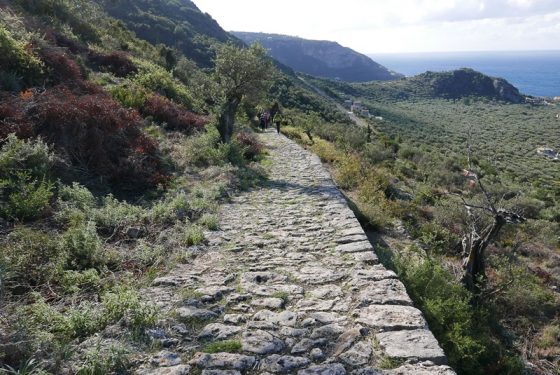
28,198
76,196
83,246
155,78
125,302
15,58
101,361
25,191
29,258
326,150
550,337
129,95
201,150
73,282
175,206
113,214
437,239
349,171
294,134
193,235
210,221
372,187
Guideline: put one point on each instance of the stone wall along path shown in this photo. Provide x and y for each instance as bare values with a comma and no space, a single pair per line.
290,285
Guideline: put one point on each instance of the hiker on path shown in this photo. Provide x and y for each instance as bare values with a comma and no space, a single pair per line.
262,121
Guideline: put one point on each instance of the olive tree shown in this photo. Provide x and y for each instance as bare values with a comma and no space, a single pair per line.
241,73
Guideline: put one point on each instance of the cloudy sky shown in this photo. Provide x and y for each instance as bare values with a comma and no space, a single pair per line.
378,26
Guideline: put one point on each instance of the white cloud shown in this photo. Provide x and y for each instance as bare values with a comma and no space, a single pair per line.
400,25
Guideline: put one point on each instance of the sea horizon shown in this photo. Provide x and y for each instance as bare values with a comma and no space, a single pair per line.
533,72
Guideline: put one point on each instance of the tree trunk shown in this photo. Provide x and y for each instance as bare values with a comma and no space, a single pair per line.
475,246
227,118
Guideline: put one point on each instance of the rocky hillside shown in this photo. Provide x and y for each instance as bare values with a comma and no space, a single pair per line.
320,58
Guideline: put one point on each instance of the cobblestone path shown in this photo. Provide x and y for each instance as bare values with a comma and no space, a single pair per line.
290,284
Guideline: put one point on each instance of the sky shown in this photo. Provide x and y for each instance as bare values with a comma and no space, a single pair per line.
400,26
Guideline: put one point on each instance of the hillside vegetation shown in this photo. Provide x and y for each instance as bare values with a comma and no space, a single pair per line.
415,174
178,24
111,170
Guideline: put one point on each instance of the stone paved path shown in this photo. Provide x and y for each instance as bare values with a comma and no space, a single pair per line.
290,284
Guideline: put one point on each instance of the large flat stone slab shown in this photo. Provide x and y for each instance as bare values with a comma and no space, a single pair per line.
418,344
223,361
390,317
354,247
421,369
383,292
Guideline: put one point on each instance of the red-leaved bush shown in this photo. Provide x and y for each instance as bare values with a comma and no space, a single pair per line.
116,62
251,146
12,117
176,117
99,138
61,67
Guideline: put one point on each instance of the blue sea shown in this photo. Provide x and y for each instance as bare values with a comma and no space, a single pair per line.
532,72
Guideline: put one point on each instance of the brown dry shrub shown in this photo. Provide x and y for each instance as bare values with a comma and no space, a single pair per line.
173,115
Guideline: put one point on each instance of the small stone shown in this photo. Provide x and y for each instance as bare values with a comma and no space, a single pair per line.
359,354
308,322
166,359
328,330
348,338
326,291
305,344
283,364
368,371
366,257
328,369
181,329
221,372
166,281
223,361
173,370
316,354
189,312
260,325
261,342
315,305
234,318
293,332
236,298
133,232
218,331
156,333
325,317
271,303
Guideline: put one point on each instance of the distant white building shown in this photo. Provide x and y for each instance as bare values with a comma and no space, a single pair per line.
548,153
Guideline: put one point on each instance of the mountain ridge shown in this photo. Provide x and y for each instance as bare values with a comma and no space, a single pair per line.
320,58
